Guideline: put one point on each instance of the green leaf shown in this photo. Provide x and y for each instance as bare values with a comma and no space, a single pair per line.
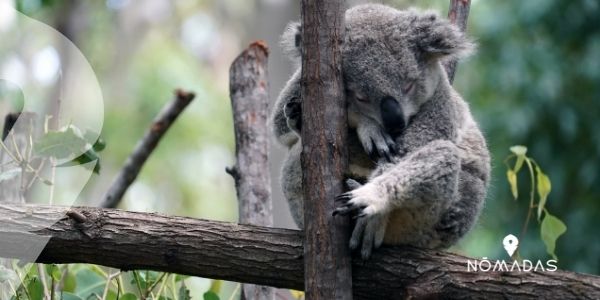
10,174
210,295
60,144
128,296
89,283
54,272
184,293
519,150
215,286
552,228
70,296
70,283
35,289
543,188
83,159
99,143
512,180
519,163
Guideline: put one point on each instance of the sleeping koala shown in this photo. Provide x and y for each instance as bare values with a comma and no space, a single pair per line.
430,191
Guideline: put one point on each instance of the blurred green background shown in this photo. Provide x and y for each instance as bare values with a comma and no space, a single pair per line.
534,81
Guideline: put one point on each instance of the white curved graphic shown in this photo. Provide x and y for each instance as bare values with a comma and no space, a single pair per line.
46,156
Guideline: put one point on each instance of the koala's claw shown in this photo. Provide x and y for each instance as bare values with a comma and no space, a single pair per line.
377,143
368,234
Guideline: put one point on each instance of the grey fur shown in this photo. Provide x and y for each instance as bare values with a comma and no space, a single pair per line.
432,191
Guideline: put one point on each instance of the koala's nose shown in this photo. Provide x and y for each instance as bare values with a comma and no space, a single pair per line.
392,115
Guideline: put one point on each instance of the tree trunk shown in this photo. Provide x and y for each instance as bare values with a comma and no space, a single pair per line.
328,269
249,92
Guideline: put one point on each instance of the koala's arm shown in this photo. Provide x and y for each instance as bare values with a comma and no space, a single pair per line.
438,119
279,122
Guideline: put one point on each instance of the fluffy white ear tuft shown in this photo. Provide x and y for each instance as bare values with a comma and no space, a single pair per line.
438,38
291,41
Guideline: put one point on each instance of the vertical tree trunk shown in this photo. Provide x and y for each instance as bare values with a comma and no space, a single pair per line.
328,272
249,92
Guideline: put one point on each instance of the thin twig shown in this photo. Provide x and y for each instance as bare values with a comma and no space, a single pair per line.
145,146
107,286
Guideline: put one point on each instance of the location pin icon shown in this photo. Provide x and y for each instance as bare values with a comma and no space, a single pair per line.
510,244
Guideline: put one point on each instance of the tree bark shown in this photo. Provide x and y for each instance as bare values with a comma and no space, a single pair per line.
328,268
260,255
458,15
249,92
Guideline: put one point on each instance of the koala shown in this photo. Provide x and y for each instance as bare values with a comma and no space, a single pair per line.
430,190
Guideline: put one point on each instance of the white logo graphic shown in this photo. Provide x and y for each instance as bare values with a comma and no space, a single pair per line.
510,244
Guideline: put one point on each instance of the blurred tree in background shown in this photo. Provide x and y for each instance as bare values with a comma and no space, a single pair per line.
535,81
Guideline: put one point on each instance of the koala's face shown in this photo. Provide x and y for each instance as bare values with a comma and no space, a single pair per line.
391,61
387,87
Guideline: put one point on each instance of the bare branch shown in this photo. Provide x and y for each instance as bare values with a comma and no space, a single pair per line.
145,146
260,255
249,92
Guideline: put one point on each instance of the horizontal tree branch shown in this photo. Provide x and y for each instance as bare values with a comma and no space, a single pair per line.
260,255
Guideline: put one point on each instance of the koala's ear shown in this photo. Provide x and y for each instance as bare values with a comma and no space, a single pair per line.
291,40
438,38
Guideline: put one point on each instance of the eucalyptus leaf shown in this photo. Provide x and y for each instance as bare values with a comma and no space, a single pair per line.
89,283
35,289
54,272
551,229
70,296
85,158
518,150
210,295
60,144
512,180
543,188
184,293
128,296
70,282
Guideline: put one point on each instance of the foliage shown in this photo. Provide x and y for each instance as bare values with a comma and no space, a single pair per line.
81,282
534,81
551,227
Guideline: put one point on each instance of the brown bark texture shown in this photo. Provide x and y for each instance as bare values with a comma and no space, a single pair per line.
328,269
249,92
260,255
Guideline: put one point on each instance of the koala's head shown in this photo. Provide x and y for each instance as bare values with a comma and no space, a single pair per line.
391,60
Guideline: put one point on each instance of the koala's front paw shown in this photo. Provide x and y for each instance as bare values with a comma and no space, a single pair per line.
376,142
293,114
371,212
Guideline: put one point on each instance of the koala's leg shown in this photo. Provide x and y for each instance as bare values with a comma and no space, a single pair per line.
291,184
287,100
461,215
426,178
